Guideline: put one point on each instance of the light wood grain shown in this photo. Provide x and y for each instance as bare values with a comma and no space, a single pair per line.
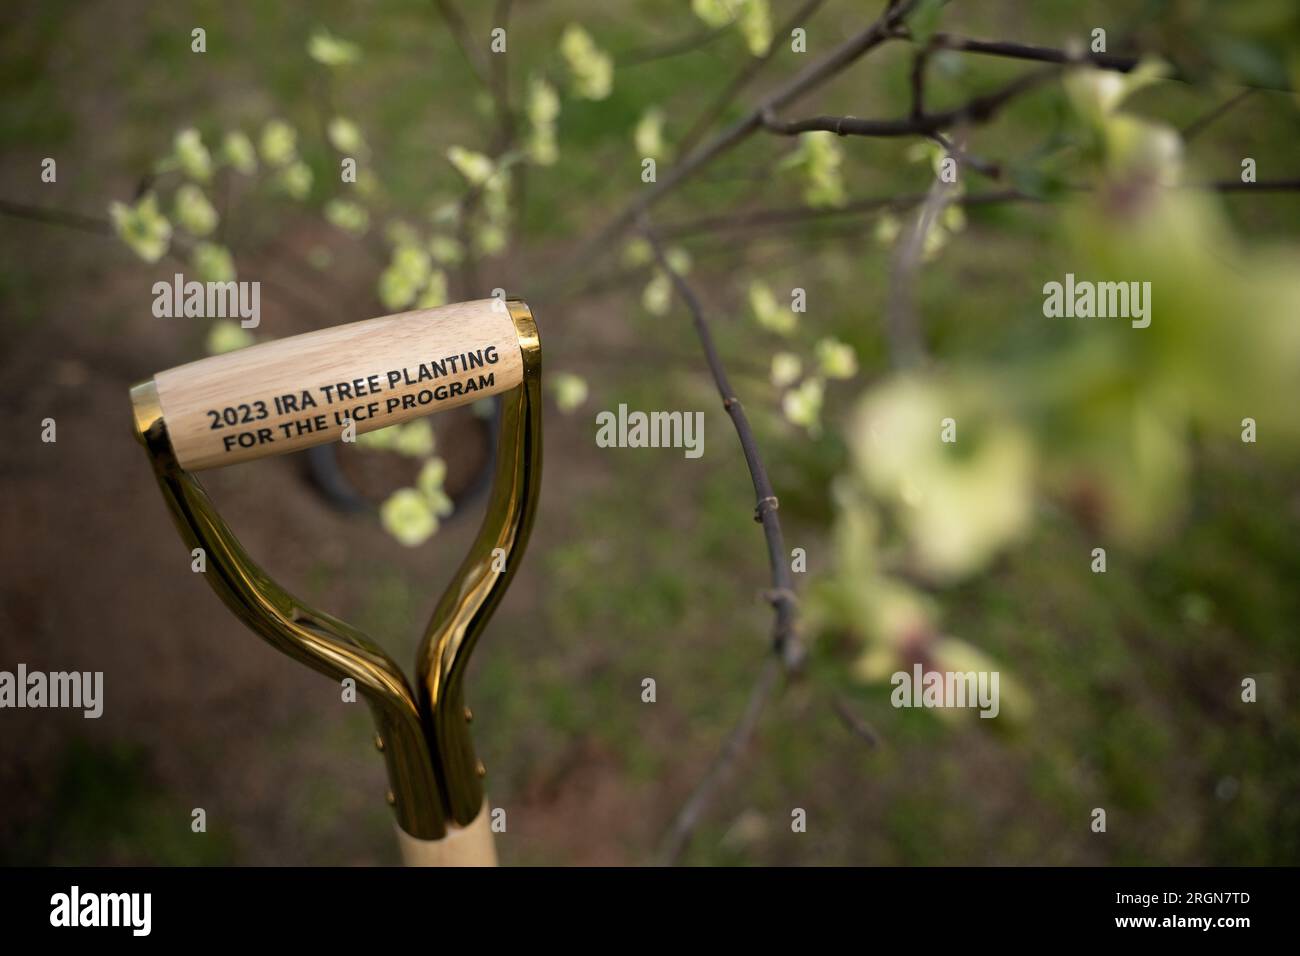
230,408
468,846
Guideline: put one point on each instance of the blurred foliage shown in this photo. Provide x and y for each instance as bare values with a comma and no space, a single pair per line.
1104,420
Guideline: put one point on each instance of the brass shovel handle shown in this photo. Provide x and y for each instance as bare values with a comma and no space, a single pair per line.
435,779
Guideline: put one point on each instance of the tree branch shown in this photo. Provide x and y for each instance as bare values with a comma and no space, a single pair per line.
57,217
810,78
787,215
1042,54
1263,186
494,75
500,82
966,158
785,638
789,651
1027,51
737,742
671,48
1194,128
979,109
102,226
460,33
918,80
855,723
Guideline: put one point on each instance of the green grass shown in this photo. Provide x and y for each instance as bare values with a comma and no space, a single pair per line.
105,805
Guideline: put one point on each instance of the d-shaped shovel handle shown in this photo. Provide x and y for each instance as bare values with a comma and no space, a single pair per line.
293,393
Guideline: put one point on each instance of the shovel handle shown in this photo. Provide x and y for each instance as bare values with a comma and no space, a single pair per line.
290,394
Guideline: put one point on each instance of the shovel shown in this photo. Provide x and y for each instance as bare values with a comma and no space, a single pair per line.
331,385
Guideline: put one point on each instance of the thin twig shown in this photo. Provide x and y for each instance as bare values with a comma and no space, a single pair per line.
979,109
672,48
494,75
855,723
788,215
1198,125
737,742
500,82
1028,51
460,33
1263,186
968,159
918,80
785,637
177,248
1042,54
779,216
57,217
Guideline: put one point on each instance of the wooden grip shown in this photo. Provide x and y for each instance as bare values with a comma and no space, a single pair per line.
467,846
293,393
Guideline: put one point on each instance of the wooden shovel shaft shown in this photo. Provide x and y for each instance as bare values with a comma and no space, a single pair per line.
462,846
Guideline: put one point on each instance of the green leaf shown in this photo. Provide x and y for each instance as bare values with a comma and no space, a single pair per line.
415,440
238,151
349,216
192,156
193,211
142,227
836,359
213,263
227,336
329,50
279,143
786,369
570,391
345,136
406,515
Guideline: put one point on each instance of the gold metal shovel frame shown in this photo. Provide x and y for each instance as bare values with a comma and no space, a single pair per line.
435,777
